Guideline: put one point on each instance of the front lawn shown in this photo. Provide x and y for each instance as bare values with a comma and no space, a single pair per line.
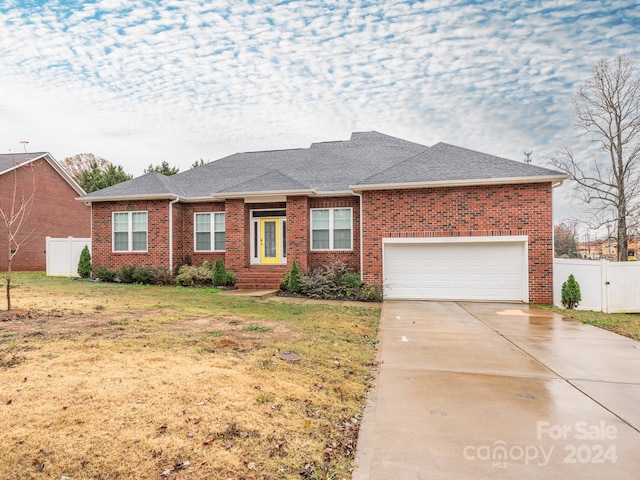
627,324
106,381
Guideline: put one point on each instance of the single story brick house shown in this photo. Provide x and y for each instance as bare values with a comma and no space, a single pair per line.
53,212
439,222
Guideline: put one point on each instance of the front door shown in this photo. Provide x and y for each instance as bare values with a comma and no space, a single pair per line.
270,247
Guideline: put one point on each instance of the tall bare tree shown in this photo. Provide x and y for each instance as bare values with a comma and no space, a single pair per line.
15,206
607,109
93,172
82,162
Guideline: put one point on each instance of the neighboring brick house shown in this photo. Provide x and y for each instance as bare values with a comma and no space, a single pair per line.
439,222
54,211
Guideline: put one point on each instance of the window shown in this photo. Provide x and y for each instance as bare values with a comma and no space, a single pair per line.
129,231
210,232
331,229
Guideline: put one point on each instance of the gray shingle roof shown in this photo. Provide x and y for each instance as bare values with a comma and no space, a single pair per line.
448,163
9,160
151,184
368,158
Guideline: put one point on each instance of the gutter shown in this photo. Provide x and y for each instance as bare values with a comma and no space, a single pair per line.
221,196
119,198
556,179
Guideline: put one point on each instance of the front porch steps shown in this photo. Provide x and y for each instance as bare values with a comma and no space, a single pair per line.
261,277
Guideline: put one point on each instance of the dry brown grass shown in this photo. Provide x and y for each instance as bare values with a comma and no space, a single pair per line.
111,382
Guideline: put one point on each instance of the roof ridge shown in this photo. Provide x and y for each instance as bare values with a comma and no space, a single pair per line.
395,164
264,175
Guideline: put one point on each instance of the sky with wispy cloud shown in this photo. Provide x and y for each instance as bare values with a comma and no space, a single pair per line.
140,82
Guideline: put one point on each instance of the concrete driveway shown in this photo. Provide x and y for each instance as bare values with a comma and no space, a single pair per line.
488,390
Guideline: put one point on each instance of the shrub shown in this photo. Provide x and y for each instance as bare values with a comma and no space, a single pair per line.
571,293
104,273
370,293
219,274
317,284
163,276
143,275
293,278
184,261
84,264
126,274
189,275
134,274
231,278
336,270
352,280
335,281
284,281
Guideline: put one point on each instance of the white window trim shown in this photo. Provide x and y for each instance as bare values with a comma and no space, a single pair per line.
213,231
331,231
129,231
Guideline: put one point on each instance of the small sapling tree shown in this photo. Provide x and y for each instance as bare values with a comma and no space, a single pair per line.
571,293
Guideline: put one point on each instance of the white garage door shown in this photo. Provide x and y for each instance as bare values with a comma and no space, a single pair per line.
482,268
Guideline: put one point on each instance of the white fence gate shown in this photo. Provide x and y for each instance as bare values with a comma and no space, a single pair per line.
63,255
611,287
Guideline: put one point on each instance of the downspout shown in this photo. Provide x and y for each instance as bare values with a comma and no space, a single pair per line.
553,246
359,195
90,205
177,199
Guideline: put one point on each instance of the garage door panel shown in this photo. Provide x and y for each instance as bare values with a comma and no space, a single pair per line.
456,271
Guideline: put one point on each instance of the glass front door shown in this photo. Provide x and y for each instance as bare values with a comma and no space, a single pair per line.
270,240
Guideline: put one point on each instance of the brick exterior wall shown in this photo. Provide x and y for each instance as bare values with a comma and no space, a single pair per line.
472,211
157,254
351,257
298,232
238,248
495,210
54,213
184,233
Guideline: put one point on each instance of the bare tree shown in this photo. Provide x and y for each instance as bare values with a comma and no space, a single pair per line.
82,162
564,239
607,109
14,211
93,172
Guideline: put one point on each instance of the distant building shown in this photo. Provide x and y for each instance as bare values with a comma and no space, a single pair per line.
605,249
54,211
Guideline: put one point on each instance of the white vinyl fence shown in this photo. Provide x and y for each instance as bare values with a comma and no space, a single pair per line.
611,287
63,255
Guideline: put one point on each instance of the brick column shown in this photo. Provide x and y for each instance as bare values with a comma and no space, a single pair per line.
298,231
237,235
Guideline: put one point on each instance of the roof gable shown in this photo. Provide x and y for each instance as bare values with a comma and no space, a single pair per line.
274,181
11,161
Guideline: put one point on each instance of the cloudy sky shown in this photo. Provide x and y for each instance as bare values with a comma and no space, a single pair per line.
140,82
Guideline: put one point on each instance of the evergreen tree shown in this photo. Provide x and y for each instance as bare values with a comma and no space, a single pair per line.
571,293
84,265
